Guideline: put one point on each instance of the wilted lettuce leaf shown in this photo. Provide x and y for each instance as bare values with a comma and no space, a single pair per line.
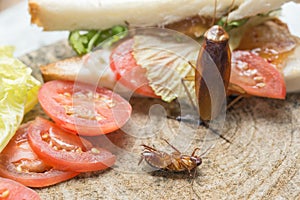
166,58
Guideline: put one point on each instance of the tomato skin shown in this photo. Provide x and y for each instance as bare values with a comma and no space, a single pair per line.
11,190
256,76
83,109
31,170
70,153
128,72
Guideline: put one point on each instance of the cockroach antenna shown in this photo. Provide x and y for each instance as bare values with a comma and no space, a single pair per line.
127,23
131,29
230,9
215,13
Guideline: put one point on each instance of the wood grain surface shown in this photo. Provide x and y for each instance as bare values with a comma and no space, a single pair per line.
263,161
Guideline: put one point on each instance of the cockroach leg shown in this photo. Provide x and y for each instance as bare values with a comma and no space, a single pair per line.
172,146
193,66
196,149
186,119
148,147
127,23
205,124
234,101
192,120
189,78
142,158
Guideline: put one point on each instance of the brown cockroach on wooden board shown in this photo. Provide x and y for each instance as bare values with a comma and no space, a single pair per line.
214,51
212,74
174,162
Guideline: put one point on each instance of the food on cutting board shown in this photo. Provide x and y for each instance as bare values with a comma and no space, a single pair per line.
44,153
41,153
252,27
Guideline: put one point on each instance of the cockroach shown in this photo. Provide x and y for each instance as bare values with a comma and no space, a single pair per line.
174,162
214,51
213,64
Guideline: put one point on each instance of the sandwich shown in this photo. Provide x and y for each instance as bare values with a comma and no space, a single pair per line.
252,26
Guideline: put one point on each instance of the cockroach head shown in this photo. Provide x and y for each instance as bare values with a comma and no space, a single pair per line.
197,160
217,34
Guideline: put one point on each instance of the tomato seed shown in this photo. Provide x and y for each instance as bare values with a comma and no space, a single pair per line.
4,194
260,85
67,94
45,136
19,168
95,151
243,66
258,78
78,150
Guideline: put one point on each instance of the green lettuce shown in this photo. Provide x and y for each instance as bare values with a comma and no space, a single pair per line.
84,42
228,26
18,93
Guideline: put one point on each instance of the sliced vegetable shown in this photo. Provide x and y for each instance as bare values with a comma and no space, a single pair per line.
66,151
16,93
18,162
84,109
128,72
271,40
11,190
237,29
83,43
256,76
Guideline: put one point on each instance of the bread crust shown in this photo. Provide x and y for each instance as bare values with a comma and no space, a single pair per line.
62,70
35,13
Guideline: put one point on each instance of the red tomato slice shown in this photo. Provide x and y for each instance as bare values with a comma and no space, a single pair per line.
18,162
256,76
128,72
65,151
84,109
11,190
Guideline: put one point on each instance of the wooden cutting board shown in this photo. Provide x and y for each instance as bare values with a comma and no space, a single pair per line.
263,161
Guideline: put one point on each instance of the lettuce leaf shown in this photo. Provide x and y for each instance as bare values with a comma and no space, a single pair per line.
84,42
168,55
18,93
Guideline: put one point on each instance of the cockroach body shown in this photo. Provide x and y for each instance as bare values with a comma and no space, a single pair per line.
174,162
214,54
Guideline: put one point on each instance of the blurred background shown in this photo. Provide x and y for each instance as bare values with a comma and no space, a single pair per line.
7,3
16,30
